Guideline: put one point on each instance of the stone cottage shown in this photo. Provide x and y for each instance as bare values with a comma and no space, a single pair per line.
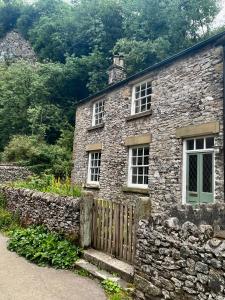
158,137
157,133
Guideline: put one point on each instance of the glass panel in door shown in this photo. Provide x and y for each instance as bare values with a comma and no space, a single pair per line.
206,184
192,178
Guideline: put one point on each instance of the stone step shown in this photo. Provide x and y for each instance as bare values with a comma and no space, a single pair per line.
106,262
101,274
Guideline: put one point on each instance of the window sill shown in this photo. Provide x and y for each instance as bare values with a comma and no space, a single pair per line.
95,127
140,115
137,190
92,186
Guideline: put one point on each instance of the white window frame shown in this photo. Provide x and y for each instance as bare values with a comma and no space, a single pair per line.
133,107
130,173
89,181
94,123
185,152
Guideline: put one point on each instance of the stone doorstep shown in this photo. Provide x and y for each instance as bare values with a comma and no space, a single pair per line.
101,274
106,262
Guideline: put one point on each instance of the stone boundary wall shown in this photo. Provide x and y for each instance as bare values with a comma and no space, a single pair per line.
177,259
57,213
12,173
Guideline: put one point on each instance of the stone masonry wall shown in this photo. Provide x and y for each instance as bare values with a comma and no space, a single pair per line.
57,213
179,259
12,173
188,91
14,47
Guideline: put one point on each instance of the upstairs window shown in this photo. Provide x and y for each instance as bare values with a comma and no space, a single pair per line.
98,113
94,167
138,166
142,94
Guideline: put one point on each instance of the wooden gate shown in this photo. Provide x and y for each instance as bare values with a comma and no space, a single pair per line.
113,229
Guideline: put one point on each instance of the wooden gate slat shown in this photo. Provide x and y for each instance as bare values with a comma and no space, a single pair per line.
125,248
109,250
129,256
121,232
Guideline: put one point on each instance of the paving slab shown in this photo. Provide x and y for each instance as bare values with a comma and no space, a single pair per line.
21,280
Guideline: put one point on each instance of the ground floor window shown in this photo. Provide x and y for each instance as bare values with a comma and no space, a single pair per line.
94,167
199,170
138,166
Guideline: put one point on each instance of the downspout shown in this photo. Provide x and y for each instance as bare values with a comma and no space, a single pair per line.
224,119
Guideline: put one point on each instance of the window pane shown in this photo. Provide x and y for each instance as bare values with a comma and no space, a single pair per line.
193,173
209,142
207,173
190,145
134,179
140,151
146,180
200,144
140,180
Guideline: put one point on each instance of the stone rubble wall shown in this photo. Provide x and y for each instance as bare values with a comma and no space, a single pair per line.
13,173
181,260
57,213
14,47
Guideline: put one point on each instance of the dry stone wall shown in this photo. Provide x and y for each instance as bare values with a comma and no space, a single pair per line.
179,259
189,91
12,173
57,213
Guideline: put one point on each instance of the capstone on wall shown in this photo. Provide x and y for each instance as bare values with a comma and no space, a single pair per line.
14,47
188,91
179,259
57,213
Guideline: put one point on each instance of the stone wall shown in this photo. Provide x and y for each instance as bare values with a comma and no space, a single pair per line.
57,213
14,47
179,259
188,91
12,173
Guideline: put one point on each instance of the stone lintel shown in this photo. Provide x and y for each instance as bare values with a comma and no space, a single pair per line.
127,189
138,140
94,147
198,130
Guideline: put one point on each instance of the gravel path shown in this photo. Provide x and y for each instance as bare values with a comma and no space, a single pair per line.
21,280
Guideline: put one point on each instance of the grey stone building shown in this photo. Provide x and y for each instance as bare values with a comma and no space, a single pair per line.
157,133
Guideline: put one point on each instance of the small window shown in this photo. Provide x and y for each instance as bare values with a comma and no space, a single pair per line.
204,143
142,95
94,167
98,113
138,166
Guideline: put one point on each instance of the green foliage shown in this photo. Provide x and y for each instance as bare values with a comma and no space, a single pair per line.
49,184
40,246
111,286
40,157
8,220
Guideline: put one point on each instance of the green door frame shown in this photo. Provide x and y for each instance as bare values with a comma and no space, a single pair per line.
198,195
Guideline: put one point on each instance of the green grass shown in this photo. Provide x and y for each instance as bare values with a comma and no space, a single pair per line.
49,184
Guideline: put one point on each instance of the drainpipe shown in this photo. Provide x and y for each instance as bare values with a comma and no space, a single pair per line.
224,118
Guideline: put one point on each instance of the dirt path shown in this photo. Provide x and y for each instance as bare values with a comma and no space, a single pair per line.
21,280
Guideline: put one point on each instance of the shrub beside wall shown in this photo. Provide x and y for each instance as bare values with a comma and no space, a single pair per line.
57,213
177,259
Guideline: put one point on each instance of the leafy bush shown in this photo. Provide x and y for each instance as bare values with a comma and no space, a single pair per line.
8,220
40,246
38,156
49,184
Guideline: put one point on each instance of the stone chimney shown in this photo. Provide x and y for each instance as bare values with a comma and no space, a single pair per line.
117,71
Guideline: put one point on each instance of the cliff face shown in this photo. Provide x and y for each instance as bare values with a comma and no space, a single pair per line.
14,47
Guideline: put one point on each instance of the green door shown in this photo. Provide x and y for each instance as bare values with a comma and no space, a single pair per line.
200,177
